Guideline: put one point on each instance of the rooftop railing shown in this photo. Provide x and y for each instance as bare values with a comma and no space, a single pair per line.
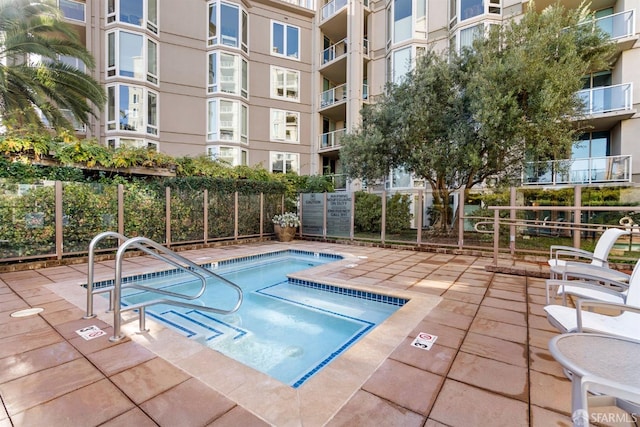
579,171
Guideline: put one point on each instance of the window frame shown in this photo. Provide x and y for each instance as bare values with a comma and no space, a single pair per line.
242,38
240,156
273,90
148,127
239,121
113,68
285,40
241,73
112,15
273,134
273,158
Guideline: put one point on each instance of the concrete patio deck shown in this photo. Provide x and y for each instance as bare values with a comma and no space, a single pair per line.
490,365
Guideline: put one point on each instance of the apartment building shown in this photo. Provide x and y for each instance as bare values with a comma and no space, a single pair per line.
278,82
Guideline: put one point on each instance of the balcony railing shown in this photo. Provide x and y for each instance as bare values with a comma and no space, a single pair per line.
617,26
307,4
334,51
365,46
73,10
332,96
329,9
332,139
365,91
579,171
607,99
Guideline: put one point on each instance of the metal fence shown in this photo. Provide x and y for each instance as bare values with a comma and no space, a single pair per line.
54,219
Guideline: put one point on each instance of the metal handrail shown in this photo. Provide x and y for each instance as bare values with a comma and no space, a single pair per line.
166,255
90,271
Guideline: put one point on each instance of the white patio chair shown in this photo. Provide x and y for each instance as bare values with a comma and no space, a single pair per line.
563,258
599,283
623,318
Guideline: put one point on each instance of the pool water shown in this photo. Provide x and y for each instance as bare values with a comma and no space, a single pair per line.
286,328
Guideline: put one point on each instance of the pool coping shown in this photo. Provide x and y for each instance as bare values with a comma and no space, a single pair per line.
271,400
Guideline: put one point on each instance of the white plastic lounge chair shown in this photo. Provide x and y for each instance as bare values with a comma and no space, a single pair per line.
595,283
562,258
623,321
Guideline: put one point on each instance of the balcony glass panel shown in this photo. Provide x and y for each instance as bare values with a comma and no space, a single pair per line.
606,99
617,26
579,171
332,7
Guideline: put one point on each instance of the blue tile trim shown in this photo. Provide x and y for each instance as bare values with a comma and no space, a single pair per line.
215,265
385,299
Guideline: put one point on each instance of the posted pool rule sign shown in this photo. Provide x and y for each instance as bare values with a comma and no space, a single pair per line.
424,341
90,332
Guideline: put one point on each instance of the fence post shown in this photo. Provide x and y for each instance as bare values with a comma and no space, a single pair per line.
261,214
59,212
235,216
205,215
577,215
419,217
121,209
167,210
512,216
383,218
461,202
496,236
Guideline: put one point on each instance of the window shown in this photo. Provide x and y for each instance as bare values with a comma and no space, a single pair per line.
468,35
141,13
470,9
71,9
285,84
126,56
228,73
228,26
72,62
227,120
401,63
402,16
591,144
233,156
132,142
285,162
285,126
137,109
285,40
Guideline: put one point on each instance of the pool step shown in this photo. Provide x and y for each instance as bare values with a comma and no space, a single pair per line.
200,325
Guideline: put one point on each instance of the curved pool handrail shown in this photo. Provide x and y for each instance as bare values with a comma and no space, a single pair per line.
150,247
90,270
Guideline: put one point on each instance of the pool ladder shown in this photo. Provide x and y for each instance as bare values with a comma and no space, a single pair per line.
158,251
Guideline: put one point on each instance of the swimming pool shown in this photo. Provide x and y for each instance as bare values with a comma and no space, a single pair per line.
287,328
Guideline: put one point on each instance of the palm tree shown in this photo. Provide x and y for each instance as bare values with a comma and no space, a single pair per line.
33,37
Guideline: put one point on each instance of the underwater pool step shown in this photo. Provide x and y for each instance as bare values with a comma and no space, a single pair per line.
199,325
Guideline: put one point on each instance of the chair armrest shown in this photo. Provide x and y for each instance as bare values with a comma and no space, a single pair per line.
554,248
583,303
582,254
596,287
593,272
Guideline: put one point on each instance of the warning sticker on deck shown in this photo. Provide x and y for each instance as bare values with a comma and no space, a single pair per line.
90,332
424,341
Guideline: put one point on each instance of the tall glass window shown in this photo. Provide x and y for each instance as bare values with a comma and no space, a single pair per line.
233,156
401,64
127,56
228,26
285,125
132,108
471,8
285,40
141,13
227,120
285,84
402,17
227,73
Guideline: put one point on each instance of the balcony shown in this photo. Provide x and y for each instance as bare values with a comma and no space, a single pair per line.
335,51
333,96
72,10
619,25
365,47
606,105
590,170
330,9
307,4
331,140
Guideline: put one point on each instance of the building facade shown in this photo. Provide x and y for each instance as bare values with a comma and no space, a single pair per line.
279,82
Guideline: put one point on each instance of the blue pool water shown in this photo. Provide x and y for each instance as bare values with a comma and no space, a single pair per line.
286,328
